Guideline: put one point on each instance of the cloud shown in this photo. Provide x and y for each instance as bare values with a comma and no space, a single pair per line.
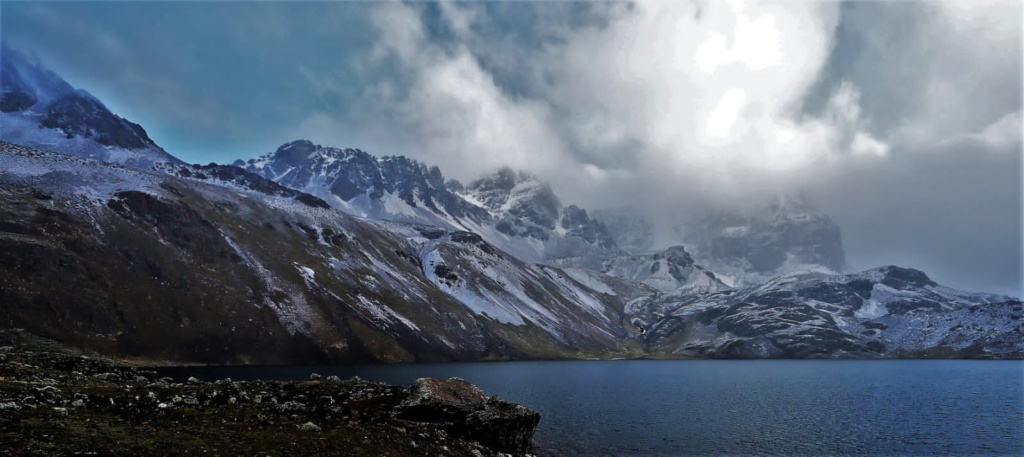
884,113
461,116
671,88
931,71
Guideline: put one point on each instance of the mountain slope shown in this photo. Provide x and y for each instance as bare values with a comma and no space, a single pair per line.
215,265
511,210
38,108
887,311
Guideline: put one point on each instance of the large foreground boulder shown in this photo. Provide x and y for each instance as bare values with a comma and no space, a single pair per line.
466,410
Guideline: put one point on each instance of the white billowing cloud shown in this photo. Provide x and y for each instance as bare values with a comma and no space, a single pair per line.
705,95
864,144
701,93
725,113
458,112
1004,132
401,32
671,107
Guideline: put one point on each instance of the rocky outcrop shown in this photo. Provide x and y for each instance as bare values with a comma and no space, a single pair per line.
503,426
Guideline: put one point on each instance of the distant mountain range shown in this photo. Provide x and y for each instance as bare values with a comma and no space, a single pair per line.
318,254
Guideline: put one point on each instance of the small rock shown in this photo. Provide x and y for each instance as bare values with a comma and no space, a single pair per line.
9,405
163,406
309,427
333,378
194,380
290,406
315,377
48,393
61,411
78,403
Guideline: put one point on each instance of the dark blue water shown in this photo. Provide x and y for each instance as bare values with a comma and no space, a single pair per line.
738,407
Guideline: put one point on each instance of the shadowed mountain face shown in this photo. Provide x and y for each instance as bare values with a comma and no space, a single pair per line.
214,264
38,108
79,114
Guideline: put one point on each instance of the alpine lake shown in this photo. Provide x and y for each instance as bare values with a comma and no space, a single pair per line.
733,407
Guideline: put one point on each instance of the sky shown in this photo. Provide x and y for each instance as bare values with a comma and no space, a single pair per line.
899,119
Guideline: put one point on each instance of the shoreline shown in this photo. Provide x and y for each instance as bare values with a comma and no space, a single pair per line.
60,403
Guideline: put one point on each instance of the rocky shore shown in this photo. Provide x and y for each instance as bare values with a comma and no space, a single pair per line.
55,402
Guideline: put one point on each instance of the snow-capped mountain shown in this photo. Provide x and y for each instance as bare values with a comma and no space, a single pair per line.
670,270
38,108
312,254
513,211
211,263
888,311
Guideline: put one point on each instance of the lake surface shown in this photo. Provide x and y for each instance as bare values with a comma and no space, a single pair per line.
770,407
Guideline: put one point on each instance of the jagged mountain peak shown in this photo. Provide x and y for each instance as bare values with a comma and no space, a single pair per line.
39,109
512,209
899,278
518,193
26,81
295,151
